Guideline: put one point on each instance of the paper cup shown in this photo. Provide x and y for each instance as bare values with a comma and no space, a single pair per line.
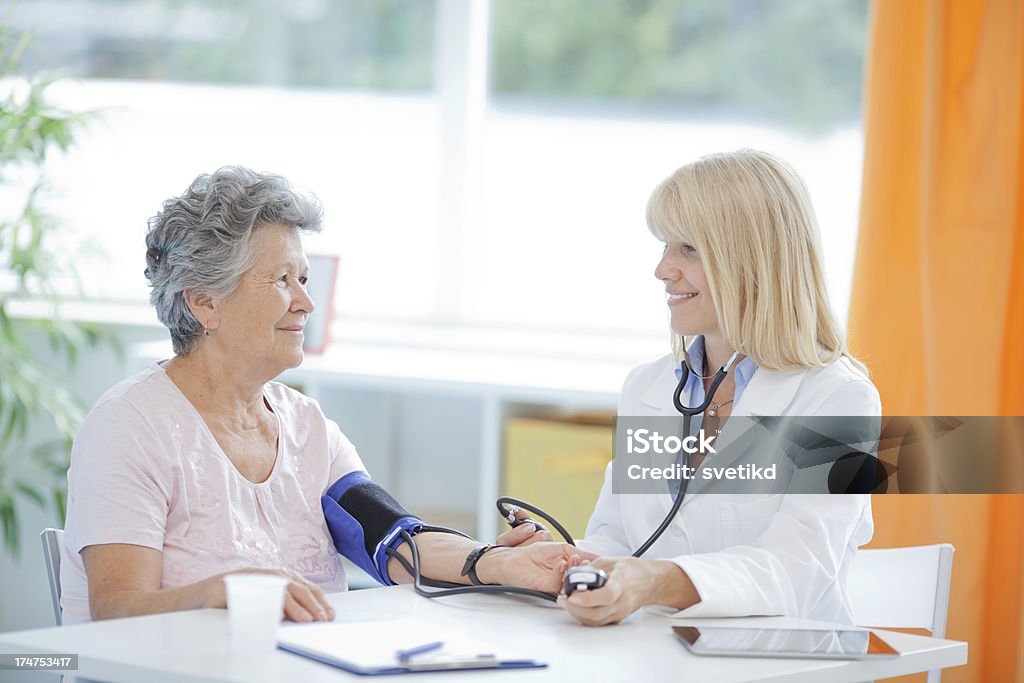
255,607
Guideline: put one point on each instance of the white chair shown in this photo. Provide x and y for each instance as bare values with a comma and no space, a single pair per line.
53,541
903,588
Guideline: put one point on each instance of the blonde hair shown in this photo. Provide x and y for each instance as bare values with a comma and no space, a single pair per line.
750,217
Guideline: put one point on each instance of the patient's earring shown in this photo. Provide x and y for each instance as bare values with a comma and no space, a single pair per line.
206,331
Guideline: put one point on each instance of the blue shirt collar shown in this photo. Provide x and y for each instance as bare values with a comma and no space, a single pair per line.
742,372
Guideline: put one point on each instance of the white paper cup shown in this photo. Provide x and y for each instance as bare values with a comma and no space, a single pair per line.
255,607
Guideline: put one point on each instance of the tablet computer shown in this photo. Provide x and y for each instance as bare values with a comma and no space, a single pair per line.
850,643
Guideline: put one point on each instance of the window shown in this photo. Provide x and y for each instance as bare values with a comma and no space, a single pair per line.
595,101
790,63
372,44
480,163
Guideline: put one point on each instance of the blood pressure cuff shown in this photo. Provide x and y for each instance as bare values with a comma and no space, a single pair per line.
365,521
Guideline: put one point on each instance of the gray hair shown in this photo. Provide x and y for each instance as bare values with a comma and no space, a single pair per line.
201,241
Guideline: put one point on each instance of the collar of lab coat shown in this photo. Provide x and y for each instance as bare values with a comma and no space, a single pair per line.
770,392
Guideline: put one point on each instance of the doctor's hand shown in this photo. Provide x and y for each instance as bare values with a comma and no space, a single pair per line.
524,534
632,583
539,566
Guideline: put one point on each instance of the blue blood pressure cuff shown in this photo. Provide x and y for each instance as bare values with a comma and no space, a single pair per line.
366,522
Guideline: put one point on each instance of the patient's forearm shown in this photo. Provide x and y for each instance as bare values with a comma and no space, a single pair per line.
442,557
131,603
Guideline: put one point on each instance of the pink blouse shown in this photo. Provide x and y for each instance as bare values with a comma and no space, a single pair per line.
146,470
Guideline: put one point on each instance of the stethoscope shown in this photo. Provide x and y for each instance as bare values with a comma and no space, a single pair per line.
508,507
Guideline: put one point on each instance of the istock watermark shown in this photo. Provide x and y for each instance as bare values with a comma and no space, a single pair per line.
821,454
641,441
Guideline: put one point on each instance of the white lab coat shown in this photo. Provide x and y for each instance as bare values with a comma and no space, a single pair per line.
749,554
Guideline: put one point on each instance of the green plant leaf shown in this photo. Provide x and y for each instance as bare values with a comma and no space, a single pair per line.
31,492
19,48
15,418
9,522
60,503
36,254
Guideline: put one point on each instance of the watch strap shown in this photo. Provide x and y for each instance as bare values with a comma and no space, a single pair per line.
469,568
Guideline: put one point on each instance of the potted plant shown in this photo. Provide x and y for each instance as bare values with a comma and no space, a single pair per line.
35,264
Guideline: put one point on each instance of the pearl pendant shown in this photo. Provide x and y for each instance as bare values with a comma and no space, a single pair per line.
712,413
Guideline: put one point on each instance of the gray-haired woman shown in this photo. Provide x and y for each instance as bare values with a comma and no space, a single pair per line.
200,465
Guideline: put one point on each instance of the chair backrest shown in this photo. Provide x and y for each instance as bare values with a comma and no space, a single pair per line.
53,540
902,587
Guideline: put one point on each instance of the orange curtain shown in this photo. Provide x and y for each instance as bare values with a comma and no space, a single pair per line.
938,299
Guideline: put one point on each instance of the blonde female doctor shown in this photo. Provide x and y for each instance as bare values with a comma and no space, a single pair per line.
742,272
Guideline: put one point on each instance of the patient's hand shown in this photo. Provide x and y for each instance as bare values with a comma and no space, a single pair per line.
303,600
524,534
539,566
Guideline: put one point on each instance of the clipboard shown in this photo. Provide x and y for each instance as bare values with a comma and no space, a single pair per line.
370,648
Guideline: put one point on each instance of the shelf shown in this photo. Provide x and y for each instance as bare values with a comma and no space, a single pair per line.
522,378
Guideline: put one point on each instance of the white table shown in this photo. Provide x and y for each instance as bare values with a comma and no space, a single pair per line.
193,646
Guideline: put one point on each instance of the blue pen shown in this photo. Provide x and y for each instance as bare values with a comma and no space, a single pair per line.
406,655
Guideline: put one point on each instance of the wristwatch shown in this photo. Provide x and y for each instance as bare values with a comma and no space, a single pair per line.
469,569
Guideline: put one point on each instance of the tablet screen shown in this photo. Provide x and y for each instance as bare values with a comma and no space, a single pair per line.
776,642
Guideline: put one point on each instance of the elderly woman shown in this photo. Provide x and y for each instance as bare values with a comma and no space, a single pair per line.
201,466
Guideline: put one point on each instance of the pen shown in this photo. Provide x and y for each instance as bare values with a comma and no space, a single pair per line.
406,655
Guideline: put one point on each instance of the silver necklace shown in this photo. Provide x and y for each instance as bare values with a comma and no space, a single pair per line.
713,410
